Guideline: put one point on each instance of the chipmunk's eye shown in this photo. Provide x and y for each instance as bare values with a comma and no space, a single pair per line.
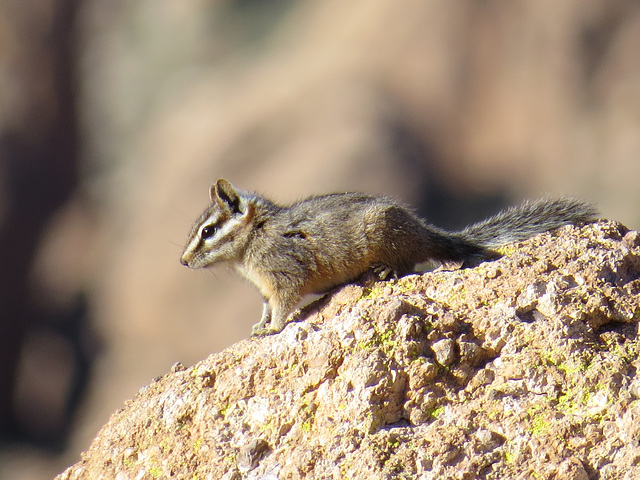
208,231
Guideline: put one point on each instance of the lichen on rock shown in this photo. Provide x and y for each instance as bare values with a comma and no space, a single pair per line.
519,367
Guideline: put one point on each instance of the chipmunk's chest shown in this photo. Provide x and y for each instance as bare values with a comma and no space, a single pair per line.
258,278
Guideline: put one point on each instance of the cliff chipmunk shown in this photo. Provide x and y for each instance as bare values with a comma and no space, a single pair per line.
324,241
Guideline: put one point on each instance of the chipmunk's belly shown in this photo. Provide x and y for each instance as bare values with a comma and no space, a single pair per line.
338,272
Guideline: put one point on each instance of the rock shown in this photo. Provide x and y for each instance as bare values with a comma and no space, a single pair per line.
249,455
471,380
444,351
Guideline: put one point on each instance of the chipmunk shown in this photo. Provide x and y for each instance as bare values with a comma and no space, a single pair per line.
324,241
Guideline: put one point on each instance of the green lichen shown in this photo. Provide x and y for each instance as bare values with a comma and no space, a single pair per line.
155,471
433,413
539,426
380,341
508,249
197,444
373,292
366,345
538,413
386,342
130,461
164,445
626,352
404,285
575,365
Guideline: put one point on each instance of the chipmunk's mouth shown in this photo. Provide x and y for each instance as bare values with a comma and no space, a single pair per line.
188,260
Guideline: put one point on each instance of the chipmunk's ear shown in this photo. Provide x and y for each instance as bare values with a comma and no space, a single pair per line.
223,193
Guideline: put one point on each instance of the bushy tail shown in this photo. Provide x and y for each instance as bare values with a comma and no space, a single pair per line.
526,220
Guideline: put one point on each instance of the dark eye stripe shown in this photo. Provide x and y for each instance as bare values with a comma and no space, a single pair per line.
208,231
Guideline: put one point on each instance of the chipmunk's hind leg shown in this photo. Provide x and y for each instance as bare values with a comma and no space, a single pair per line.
384,272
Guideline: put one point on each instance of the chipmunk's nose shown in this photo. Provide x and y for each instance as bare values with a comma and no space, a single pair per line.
184,260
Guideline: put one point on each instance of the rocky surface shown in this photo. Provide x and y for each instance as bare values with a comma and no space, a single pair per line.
523,367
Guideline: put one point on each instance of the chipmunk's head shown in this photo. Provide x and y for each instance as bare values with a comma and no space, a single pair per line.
223,231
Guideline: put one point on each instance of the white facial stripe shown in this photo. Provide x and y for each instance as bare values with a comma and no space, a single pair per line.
226,229
210,220
193,244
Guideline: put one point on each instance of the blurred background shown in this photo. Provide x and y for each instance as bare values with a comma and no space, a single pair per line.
115,116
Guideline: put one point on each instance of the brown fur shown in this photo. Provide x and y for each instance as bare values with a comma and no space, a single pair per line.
324,241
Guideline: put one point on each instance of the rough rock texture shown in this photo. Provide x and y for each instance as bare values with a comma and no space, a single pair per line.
525,367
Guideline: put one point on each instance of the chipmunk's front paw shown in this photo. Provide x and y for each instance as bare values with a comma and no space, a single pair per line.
259,330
